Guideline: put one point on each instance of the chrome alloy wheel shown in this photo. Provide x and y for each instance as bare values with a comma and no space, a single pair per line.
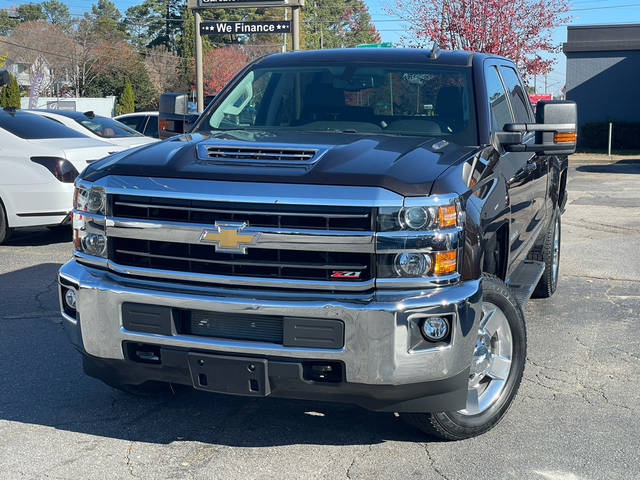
491,361
556,250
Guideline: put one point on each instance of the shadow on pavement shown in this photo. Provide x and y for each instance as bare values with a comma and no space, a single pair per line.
37,236
43,384
627,166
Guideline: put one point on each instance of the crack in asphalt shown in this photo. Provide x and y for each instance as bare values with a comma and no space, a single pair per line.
127,458
40,302
608,279
600,227
206,452
355,457
577,388
432,461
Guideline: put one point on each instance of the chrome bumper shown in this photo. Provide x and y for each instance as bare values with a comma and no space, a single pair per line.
377,325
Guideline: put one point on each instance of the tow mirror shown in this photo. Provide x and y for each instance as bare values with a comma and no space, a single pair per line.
173,103
556,129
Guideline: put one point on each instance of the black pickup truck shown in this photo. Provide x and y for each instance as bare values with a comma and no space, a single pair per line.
358,226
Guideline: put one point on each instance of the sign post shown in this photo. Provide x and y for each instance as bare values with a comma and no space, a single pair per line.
199,72
295,35
240,28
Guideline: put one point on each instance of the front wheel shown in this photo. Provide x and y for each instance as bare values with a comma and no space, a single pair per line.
496,369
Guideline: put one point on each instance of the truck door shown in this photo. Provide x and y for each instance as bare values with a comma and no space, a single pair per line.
518,168
538,166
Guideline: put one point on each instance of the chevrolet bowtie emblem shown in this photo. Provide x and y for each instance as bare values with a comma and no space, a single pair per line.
228,237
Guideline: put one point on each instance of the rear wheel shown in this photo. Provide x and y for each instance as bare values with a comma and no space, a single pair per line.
496,369
549,253
5,231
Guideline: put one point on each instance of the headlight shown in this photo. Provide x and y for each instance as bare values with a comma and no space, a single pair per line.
89,200
420,240
418,218
94,244
412,264
89,236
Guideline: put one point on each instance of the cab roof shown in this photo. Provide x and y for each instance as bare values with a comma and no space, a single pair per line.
370,55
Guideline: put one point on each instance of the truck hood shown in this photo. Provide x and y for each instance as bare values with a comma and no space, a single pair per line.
407,165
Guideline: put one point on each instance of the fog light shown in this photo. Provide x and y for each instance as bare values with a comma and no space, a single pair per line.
435,328
94,244
412,264
70,298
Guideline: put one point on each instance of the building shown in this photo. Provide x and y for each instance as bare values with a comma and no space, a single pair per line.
603,63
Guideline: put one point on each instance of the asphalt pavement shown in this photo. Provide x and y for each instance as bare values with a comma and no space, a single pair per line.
575,417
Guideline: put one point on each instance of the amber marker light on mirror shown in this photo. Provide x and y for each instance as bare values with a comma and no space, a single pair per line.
565,137
448,216
445,262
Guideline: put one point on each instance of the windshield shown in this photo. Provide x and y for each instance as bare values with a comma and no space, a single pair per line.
402,100
107,127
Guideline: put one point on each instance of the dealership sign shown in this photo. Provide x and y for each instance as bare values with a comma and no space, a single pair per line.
244,28
239,3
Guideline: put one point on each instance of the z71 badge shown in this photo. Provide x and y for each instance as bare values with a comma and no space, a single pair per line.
344,274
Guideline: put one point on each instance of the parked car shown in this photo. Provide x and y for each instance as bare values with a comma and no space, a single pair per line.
177,114
145,123
97,127
351,225
39,161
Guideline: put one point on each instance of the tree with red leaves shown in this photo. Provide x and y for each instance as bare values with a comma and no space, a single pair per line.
517,29
219,65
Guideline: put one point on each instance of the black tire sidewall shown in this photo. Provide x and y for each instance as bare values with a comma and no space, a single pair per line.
460,425
5,231
557,225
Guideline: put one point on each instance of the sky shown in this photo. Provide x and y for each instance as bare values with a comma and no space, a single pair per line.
583,12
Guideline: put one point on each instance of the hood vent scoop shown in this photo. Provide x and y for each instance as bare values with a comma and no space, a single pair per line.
259,155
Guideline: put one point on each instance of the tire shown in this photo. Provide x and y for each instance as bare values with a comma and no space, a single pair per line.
493,399
5,231
549,253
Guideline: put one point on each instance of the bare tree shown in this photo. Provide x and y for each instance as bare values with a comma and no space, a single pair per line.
163,68
45,49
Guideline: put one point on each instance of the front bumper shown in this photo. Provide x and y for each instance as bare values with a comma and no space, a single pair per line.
381,369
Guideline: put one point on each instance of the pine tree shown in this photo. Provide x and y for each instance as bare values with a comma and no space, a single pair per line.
10,96
337,24
127,101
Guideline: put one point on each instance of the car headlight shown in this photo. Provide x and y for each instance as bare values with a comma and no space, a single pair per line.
89,235
412,264
419,240
91,200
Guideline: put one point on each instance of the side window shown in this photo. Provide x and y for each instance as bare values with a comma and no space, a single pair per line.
151,130
517,95
132,122
500,113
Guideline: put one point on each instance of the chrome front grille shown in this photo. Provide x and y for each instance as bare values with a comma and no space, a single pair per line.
258,262
359,219
298,243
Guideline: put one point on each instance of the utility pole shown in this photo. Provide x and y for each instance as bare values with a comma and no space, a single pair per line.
546,82
199,72
295,30
284,43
